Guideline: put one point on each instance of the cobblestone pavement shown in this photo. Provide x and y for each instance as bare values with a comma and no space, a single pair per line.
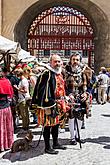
95,150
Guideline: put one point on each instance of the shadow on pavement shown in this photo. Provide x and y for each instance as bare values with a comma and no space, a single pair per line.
105,115
107,147
34,151
103,140
22,134
22,155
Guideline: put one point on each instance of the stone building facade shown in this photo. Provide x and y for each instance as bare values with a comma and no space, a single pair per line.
17,16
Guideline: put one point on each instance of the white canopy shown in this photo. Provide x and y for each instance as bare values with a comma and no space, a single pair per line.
15,50
25,56
7,45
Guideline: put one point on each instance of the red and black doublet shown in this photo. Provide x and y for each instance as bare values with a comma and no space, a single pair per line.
49,89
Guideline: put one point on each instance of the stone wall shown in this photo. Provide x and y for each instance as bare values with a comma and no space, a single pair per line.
0,17
13,10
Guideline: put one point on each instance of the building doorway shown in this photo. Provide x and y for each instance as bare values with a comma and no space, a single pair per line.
62,30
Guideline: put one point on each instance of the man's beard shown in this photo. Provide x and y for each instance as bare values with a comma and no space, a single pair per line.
58,69
75,66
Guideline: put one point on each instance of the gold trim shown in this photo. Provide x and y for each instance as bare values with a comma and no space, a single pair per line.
46,107
46,97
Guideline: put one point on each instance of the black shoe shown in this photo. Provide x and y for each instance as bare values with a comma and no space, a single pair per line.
103,103
58,146
83,127
98,102
73,142
51,151
79,140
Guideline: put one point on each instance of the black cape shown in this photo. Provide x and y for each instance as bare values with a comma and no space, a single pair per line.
44,92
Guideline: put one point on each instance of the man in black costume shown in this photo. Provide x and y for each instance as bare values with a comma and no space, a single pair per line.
48,90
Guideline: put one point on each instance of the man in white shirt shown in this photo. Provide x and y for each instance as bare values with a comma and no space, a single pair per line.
103,80
23,94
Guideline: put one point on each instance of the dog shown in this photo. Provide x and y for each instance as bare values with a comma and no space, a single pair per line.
22,144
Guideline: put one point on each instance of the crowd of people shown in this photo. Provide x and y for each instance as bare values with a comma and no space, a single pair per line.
54,94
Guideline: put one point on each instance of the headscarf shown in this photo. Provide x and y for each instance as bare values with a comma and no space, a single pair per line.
5,85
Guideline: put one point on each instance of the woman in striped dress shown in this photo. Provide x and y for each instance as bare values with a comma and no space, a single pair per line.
6,121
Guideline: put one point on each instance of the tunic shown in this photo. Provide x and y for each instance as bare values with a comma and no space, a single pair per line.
48,97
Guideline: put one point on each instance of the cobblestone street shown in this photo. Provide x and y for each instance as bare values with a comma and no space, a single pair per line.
95,150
